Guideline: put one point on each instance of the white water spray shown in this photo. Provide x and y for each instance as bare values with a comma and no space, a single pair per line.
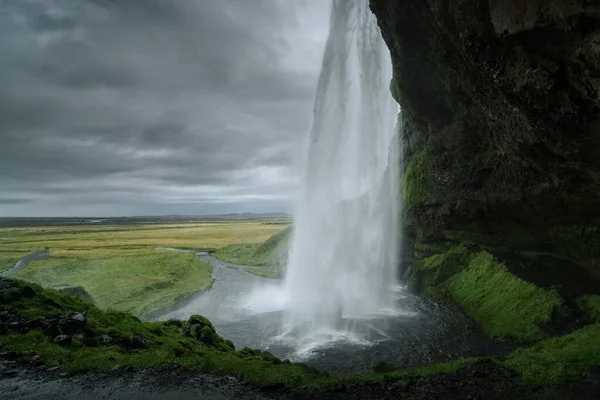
343,259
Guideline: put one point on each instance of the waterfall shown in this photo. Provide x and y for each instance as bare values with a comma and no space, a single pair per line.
343,257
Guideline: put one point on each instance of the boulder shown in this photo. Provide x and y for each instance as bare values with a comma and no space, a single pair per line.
63,339
71,323
138,341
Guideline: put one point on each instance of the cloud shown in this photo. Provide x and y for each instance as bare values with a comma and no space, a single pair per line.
145,106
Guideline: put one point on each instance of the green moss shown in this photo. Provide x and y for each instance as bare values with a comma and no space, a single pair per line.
414,180
146,279
267,273
446,264
590,304
558,358
504,305
551,360
168,346
268,253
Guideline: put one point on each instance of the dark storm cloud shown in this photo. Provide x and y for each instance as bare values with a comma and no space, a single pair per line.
177,101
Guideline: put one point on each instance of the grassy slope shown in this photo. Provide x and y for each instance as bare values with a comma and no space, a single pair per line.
269,252
135,281
169,346
558,358
550,361
267,273
590,304
504,305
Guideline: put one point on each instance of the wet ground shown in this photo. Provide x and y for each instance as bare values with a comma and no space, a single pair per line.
482,380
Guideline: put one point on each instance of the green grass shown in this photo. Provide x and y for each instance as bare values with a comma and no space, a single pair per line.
168,346
505,306
191,236
590,304
136,281
257,254
175,344
267,273
117,265
557,359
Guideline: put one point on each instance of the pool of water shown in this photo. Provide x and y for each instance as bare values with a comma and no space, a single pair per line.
418,332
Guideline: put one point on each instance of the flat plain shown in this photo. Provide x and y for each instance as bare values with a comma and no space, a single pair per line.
119,266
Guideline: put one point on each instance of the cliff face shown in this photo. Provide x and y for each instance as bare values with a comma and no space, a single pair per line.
501,121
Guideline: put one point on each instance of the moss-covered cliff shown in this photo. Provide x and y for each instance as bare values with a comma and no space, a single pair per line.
501,121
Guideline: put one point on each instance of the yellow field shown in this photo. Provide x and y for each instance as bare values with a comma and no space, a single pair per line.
117,264
193,236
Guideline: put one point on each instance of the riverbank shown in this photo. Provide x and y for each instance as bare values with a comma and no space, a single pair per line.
129,351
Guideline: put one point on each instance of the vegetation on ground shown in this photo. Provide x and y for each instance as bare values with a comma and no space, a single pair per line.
36,322
209,235
559,358
136,281
267,273
117,264
590,304
109,338
504,305
271,252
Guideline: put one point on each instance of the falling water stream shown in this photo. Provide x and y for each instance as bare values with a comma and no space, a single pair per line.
340,306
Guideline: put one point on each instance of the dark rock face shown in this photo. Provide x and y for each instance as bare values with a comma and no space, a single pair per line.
501,120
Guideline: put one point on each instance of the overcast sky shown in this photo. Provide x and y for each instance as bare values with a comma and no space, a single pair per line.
129,107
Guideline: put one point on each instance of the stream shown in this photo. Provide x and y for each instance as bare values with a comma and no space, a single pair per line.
22,263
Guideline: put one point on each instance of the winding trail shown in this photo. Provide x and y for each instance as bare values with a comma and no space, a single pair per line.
22,263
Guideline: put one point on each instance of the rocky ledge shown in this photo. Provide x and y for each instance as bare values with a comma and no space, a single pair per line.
501,121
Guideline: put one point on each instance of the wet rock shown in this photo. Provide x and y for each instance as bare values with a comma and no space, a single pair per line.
36,360
50,327
103,340
71,323
9,355
63,339
138,341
